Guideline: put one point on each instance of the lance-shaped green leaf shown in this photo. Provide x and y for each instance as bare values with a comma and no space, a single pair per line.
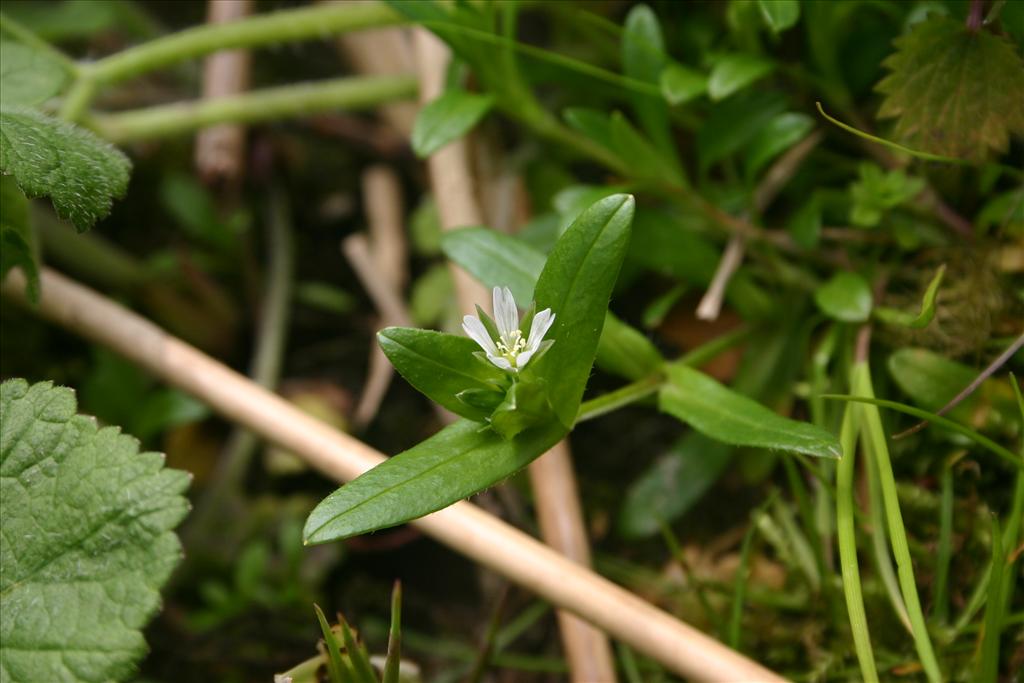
729,417
500,260
85,539
78,171
442,366
462,459
576,284
495,259
448,118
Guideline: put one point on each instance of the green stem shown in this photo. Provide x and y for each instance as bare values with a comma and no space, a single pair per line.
78,98
879,450
261,105
317,22
623,396
879,545
944,551
847,537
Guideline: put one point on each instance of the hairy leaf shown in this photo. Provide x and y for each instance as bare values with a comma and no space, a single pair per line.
729,417
85,539
954,91
78,171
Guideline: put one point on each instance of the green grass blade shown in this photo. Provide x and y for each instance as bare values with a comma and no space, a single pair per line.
337,670
974,436
392,664
878,449
847,537
361,668
988,653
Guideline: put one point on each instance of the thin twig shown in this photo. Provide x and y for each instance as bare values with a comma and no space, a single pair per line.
782,171
393,312
463,526
969,389
220,150
711,304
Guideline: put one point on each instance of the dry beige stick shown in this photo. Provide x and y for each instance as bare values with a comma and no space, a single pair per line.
463,526
782,170
587,649
384,262
393,312
450,176
382,204
380,52
220,150
711,304
563,528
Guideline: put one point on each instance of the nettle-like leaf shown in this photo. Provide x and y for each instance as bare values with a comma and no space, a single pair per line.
78,171
85,539
956,92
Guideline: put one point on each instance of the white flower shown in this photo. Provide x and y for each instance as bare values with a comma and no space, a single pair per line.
511,351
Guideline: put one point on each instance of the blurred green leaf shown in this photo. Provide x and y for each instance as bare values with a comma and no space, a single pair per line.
78,171
676,481
781,133
954,91
722,414
878,191
592,123
448,118
432,296
646,161
932,380
28,75
734,72
164,409
845,297
680,84
643,58
805,225
780,14
732,124
17,239
924,317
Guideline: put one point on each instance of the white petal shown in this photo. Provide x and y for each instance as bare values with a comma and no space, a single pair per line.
506,316
478,333
541,324
501,362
